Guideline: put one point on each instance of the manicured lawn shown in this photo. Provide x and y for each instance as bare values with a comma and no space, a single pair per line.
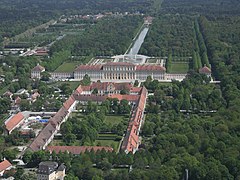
107,60
152,60
67,67
109,143
107,136
113,119
180,67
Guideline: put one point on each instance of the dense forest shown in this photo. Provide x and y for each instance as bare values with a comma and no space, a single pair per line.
18,16
107,37
169,34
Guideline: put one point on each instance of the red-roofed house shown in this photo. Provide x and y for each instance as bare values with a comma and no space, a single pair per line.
41,52
4,166
17,101
34,96
14,122
205,70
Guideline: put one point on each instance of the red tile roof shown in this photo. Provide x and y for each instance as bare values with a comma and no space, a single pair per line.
35,95
49,130
18,100
131,98
104,86
89,67
205,70
77,149
43,137
69,102
86,98
135,89
86,88
150,68
119,64
14,121
78,90
4,165
38,68
131,139
60,115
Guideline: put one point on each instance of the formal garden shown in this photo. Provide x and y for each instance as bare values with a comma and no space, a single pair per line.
96,125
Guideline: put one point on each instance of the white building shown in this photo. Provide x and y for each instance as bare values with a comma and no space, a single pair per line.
36,72
122,71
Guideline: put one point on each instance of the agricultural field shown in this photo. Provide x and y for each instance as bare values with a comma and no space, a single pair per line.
46,35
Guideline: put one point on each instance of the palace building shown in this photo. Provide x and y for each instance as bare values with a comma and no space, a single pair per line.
120,71
116,72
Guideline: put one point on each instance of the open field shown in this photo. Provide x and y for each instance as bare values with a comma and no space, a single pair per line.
67,67
180,67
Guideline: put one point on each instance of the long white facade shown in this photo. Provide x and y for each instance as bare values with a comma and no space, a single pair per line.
120,71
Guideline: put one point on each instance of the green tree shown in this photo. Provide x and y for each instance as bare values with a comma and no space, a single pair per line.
169,62
45,76
24,105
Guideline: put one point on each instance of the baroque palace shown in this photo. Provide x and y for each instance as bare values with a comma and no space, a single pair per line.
116,71
120,68
123,71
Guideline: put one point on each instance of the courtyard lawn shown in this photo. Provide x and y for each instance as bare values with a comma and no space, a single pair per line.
107,136
67,67
180,68
113,119
109,143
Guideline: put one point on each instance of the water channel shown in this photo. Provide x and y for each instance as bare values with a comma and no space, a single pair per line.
138,42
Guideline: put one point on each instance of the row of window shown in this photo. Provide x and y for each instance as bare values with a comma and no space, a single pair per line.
132,68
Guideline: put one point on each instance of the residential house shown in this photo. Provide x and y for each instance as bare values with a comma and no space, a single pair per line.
14,122
5,166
